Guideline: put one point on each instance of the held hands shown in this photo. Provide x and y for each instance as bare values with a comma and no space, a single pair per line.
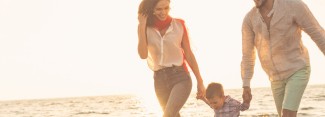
247,95
200,91
200,95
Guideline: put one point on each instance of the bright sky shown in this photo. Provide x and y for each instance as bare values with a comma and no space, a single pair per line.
64,48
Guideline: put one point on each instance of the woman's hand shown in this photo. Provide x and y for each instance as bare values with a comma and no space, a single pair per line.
142,18
200,91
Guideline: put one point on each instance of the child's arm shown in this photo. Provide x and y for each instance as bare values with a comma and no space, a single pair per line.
206,101
245,105
203,99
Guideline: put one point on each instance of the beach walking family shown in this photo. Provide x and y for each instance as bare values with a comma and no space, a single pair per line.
272,28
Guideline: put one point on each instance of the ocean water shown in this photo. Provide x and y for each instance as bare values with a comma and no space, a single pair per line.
262,105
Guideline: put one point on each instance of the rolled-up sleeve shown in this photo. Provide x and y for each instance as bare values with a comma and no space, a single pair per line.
248,52
244,106
308,23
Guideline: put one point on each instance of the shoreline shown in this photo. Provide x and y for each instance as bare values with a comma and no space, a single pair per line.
126,94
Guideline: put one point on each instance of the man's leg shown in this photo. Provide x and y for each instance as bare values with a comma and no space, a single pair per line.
278,88
294,91
289,113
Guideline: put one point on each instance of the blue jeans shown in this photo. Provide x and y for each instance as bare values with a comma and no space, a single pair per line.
173,86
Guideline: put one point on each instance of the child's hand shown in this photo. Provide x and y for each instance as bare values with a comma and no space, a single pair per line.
199,97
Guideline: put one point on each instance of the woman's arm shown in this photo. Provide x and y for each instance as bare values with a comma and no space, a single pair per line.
190,58
142,45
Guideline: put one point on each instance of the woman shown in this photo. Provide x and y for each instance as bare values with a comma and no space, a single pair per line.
164,42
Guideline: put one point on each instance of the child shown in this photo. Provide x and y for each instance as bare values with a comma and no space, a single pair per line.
224,106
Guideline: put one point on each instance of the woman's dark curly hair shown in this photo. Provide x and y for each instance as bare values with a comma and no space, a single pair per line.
146,7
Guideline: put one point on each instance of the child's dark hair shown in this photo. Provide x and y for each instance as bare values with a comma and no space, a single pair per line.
214,89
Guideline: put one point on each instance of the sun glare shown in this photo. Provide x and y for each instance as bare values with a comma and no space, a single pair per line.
149,103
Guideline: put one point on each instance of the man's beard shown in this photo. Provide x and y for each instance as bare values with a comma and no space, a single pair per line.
260,3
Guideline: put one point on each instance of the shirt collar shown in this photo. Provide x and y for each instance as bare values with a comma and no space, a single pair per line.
275,5
170,28
228,98
271,12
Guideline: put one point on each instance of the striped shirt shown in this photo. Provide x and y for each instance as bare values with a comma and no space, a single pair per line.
231,108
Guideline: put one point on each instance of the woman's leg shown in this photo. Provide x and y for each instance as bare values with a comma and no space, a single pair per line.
177,98
162,89
173,87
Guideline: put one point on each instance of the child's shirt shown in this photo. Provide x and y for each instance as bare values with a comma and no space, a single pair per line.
231,108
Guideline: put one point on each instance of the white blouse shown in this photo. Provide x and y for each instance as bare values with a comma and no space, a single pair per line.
165,51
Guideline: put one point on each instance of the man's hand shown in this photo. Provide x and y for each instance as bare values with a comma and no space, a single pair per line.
247,95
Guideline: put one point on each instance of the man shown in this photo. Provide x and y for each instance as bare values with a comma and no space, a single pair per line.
274,28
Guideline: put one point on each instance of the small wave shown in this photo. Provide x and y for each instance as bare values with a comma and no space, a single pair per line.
321,96
133,107
307,108
260,115
268,115
92,112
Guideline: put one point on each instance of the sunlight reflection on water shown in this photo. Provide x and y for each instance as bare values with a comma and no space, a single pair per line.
146,105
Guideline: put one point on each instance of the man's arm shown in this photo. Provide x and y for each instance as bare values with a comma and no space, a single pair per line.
248,52
248,58
305,19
